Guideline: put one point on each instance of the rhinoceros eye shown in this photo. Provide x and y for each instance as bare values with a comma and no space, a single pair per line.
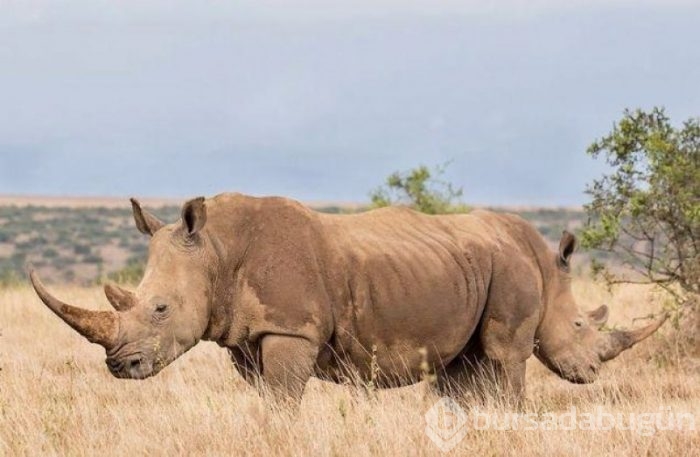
578,323
161,308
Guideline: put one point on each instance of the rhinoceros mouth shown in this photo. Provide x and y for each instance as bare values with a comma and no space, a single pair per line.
580,379
573,373
135,366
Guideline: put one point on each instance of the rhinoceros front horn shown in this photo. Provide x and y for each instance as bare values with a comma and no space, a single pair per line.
620,340
99,327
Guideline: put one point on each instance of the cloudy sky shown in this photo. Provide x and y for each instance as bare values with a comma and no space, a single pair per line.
320,100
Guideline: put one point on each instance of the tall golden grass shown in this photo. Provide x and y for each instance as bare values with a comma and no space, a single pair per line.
57,398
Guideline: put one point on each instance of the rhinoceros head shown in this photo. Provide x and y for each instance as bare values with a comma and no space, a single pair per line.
168,312
569,341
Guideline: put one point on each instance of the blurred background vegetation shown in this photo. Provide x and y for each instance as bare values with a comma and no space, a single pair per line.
88,245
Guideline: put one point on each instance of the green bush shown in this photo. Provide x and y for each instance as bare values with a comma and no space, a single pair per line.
9,277
130,274
646,211
81,249
93,259
420,189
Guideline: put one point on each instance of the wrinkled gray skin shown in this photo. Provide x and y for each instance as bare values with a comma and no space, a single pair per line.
293,293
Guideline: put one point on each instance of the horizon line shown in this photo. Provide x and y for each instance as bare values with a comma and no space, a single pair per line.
113,201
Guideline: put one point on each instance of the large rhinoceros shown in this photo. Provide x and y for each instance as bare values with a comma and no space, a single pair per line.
293,293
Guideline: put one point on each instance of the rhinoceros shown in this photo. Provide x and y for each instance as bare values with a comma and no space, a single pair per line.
380,295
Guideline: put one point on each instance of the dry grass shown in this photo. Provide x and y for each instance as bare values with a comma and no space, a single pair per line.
57,397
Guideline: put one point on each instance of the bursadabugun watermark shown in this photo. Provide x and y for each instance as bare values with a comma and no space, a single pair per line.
447,423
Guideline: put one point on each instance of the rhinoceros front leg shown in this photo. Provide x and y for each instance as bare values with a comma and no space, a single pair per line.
475,375
506,348
509,377
287,364
494,364
246,360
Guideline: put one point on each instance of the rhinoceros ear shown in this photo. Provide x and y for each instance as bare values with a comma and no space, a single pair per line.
147,223
567,245
194,216
599,316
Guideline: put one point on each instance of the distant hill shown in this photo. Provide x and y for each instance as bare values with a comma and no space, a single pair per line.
81,241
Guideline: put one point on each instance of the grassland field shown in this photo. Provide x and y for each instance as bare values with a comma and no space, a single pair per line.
58,398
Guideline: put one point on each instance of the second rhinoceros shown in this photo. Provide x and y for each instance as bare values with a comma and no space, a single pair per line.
383,294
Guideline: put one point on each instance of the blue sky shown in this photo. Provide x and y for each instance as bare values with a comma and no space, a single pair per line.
320,100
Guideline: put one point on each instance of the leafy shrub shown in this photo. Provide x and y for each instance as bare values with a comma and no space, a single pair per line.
130,274
422,190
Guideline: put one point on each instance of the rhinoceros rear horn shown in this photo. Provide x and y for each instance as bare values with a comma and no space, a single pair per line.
99,327
620,340
120,299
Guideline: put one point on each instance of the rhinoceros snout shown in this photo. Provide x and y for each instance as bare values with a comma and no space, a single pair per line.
134,367
581,376
576,373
